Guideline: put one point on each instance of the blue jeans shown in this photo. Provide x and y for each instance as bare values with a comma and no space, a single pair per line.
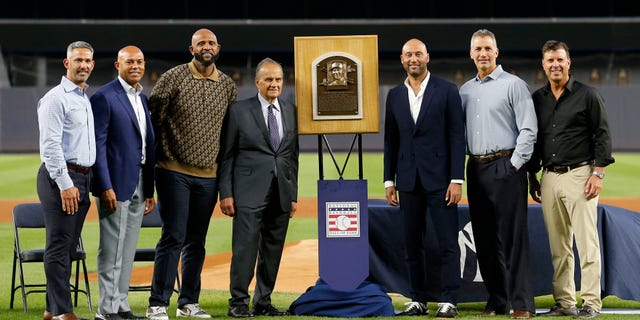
186,204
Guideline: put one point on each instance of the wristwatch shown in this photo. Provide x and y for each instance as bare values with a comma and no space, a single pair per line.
599,174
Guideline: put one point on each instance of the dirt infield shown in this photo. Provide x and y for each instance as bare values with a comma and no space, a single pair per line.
307,207
299,268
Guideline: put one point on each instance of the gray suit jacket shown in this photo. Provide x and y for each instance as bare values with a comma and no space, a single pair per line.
248,160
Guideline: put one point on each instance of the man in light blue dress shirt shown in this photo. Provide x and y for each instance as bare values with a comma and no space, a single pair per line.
67,151
501,130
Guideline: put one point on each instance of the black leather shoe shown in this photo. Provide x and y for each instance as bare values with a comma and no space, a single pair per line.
269,310
241,311
107,316
558,310
130,315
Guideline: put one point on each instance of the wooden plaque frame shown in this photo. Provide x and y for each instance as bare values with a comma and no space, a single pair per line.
308,50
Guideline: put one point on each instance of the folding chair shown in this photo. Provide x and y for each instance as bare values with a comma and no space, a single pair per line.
31,216
152,220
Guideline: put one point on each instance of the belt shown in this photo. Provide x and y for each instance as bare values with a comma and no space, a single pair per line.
491,156
565,169
77,168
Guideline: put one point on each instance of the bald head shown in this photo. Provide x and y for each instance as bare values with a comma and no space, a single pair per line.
204,48
414,59
414,44
202,34
129,51
130,65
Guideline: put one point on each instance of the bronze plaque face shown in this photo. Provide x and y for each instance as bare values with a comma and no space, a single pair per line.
337,88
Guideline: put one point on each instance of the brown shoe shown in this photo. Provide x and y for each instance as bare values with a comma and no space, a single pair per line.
67,316
47,315
521,314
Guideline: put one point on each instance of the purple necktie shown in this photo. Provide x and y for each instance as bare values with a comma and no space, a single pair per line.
274,135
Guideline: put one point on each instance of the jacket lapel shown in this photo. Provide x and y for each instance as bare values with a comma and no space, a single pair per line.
405,107
426,102
124,101
258,117
287,121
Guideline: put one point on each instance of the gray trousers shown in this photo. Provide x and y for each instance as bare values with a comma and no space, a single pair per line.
119,232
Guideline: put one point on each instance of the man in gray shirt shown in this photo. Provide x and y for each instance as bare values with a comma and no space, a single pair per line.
501,130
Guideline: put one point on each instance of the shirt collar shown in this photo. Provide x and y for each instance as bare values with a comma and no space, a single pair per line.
568,87
69,86
423,84
570,83
128,88
265,104
495,74
213,76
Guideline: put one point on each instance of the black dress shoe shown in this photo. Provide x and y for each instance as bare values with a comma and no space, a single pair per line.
240,311
107,316
558,310
269,310
130,315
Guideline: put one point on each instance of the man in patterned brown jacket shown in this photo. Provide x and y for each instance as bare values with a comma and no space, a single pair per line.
188,105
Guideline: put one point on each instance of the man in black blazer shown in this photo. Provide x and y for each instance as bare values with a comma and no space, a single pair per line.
424,152
258,178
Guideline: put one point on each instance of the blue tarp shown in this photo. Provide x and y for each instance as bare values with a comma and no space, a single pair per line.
619,237
368,300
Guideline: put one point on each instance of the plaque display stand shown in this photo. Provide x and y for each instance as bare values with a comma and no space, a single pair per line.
337,93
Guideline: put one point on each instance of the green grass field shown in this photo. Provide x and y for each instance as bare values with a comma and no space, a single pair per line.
17,181
18,174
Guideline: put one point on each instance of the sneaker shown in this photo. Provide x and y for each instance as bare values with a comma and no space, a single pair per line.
157,313
414,308
192,310
446,310
587,313
558,310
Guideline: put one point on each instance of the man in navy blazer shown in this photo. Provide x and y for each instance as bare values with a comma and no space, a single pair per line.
259,188
424,153
124,178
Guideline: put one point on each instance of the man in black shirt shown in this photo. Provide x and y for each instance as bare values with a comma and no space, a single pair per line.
573,148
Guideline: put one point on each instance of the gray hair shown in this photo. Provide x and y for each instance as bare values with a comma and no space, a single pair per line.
266,60
485,33
76,45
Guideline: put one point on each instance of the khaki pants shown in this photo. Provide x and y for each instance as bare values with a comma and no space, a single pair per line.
568,213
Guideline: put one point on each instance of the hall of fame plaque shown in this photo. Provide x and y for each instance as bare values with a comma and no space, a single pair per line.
337,89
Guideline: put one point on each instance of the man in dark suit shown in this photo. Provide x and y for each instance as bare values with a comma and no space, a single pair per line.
424,152
123,182
258,188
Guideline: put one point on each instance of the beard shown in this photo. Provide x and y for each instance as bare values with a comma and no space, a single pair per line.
204,61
